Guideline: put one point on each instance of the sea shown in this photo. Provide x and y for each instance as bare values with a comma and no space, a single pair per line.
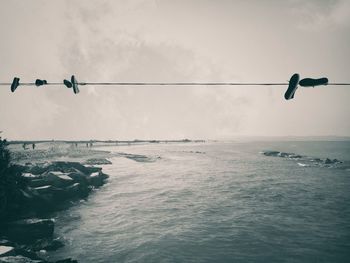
215,202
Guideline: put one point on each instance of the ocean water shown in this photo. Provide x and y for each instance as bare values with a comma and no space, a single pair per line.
214,202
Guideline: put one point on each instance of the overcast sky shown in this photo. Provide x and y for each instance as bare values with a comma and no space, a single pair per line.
173,40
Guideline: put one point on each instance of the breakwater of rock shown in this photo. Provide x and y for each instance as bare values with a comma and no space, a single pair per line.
26,229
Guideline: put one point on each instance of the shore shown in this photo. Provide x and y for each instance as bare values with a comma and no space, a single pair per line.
50,178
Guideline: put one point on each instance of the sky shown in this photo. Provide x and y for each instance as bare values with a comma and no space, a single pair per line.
181,41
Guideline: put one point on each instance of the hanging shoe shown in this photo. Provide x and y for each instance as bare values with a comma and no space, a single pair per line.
15,84
40,82
67,83
292,87
75,84
309,82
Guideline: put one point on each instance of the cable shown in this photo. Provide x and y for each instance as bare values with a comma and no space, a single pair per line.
168,84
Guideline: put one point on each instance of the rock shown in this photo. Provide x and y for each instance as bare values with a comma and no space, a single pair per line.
26,195
96,161
93,169
271,153
62,176
282,154
58,179
78,177
328,161
37,169
97,179
76,190
5,242
31,198
294,156
29,230
68,167
19,259
60,166
30,176
37,182
55,179
53,245
50,196
47,244
103,175
43,189
7,251
67,260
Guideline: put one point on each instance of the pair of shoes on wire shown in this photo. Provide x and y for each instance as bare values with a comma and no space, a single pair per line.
73,83
306,82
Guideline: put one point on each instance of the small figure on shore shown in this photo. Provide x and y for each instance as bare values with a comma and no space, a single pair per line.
24,146
91,144
33,146
87,145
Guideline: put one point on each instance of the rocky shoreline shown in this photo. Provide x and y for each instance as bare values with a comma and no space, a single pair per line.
26,229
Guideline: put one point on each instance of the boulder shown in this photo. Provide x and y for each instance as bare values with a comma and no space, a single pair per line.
92,169
271,153
47,244
43,189
295,156
37,169
283,154
58,179
78,177
30,176
103,175
5,242
37,182
76,190
328,161
50,195
67,167
334,161
26,195
29,230
317,160
97,179
7,251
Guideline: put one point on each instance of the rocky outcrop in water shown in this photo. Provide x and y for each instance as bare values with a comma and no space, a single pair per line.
139,158
282,154
305,160
47,187
97,161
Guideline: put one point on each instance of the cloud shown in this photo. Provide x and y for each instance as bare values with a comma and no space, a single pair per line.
96,53
318,15
171,41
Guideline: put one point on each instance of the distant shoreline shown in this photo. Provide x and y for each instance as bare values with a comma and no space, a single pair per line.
104,141
234,139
